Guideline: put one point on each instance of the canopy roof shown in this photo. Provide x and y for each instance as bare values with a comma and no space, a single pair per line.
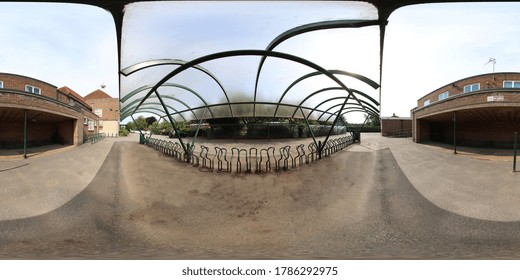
312,60
188,60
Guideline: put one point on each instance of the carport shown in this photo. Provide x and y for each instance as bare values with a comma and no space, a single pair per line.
26,128
486,127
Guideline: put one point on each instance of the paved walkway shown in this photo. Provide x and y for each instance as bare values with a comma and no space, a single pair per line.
464,184
48,178
480,186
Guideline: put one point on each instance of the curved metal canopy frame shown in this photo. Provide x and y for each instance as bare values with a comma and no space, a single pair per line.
327,111
371,108
147,87
362,78
338,88
158,62
351,111
235,53
129,107
249,53
237,103
324,25
157,109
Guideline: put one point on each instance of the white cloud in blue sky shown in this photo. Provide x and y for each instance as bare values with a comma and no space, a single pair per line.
187,30
62,44
429,46
426,46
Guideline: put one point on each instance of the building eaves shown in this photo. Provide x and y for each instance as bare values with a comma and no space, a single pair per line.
74,95
468,78
97,94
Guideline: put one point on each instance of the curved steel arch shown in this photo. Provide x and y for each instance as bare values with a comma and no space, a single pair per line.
152,63
334,88
156,103
327,111
323,25
129,105
362,78
149,112
373,109
355,110
140,89
249,53
153,108
248,103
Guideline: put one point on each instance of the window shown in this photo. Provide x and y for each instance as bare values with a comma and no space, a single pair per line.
511,84
100,123
32,89
1,84
90,125
444,95
427,102
85,121
470,88
99,112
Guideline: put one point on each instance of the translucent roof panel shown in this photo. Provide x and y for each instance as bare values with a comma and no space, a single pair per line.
254,58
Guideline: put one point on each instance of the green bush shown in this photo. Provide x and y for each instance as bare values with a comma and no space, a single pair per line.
123,132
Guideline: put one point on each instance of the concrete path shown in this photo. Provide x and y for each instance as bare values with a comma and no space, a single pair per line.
48,178
473,185
353,204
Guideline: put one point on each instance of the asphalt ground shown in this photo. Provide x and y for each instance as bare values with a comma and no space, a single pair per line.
360,203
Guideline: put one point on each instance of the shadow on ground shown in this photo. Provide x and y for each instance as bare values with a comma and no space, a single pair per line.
351,205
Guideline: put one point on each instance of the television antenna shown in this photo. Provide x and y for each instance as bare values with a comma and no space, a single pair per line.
494,61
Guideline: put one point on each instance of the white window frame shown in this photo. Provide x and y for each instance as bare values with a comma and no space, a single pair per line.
444,95
514,84
472,87
90,125
100,123
98,112
33,89
1,84
426,102
85,120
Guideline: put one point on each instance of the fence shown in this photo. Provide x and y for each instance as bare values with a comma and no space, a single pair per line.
252,160
94,138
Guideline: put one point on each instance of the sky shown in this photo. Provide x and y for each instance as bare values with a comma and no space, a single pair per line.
426,47
63,45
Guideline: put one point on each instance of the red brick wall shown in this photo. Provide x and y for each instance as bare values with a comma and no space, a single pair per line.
13,95
471,100
486,81
110,107
38,134
17,82
470,133
390,126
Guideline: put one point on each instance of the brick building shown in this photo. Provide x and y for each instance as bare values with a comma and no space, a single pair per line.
395,126
43,113
107,109
479,111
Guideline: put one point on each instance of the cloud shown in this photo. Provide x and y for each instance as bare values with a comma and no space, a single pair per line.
428,46
62,44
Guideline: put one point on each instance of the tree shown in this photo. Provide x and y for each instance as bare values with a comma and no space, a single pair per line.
373,120
131,126
140,122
